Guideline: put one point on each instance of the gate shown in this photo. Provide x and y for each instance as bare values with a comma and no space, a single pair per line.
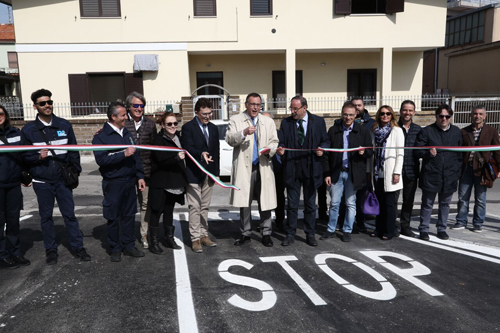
462,107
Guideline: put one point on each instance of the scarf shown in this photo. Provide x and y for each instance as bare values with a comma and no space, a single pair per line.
381,135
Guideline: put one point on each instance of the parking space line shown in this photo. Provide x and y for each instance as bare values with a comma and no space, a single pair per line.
185,306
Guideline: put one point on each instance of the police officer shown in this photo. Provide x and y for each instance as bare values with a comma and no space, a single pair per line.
120,171
48,181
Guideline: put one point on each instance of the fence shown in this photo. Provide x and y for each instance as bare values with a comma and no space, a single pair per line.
462,107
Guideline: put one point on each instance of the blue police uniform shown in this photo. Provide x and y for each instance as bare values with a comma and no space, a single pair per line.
120,175
48,182
11,197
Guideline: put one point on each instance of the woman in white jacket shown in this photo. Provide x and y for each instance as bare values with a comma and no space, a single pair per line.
386,169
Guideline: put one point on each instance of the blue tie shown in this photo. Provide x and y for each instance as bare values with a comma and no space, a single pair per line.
255,159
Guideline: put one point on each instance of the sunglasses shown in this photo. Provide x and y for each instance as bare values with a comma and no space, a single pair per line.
385,114
2,114
443,116
171,124
138,106
49,102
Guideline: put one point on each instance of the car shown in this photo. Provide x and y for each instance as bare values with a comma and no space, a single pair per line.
226,151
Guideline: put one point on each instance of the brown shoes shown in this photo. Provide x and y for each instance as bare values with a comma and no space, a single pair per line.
207,241
197,246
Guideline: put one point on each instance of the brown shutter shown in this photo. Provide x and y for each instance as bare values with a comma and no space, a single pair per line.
89,8
343,7
79,94
110,8
394,6
133,82
100,8
12,56
205,8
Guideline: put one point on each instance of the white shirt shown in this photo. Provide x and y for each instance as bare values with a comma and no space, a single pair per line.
116,129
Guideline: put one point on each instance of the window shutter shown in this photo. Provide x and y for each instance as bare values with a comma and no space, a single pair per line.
79,93
12,56
205,8
133,82
343,7
394,6
110,8
261,7
89,8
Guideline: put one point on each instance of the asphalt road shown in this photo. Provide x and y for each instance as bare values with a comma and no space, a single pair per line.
367,285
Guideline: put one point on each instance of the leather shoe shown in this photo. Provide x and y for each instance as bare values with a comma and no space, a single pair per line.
267,241
81,254
8,263
115,257
134,252
407,232
311,241
243,239
327,235
288,240
443,235
20,260
51,257
424,236
346,237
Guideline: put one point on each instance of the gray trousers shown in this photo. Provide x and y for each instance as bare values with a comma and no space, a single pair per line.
444,200
246,212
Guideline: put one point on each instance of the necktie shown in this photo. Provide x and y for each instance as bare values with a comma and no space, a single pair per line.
205,133
301,132
255,157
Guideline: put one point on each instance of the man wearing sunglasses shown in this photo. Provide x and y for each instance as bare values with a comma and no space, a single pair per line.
48,182
440,170
201,139
143,131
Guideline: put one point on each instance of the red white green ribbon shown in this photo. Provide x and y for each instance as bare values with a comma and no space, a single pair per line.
443,148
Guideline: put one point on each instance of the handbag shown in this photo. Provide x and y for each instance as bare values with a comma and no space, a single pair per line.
491,168
26,177
69,173
371,205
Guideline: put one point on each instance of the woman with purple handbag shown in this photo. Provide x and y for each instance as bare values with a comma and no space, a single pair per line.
386,170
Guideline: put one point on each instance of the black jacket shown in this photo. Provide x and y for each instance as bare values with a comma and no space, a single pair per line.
113,164
439,173
411,164
194,142
10,163
167,170
332,162
315,137
143,136
60,132
366,120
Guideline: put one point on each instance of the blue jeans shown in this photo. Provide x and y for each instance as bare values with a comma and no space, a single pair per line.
344,184
464,191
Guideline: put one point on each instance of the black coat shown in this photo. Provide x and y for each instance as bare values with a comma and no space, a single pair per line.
439,173
10,163
315,137
411,165
143,136
167,169
332,162
194,142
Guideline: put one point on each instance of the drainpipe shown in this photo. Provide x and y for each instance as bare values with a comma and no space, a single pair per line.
436,70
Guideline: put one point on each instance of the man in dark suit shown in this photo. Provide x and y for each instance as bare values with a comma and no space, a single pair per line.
302,130
201,139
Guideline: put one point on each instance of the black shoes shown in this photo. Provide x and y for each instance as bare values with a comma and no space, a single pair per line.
81,254
289,239
134,252
407,232
327,235
267,241
242,240
20,260
154,243
443,235
424,236
311,241
346,237
115,257
8,263
51,257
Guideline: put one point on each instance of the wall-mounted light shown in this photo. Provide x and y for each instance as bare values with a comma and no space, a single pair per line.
323,64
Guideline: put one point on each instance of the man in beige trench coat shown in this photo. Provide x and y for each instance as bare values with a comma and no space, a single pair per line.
252,172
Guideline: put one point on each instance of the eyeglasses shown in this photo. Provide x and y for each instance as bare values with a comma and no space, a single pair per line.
49,102
206,115
171,124
255,104
295,109
443,116
385,114
2,114
348,115
139,106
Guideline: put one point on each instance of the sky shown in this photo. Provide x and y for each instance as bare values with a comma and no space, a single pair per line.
4,17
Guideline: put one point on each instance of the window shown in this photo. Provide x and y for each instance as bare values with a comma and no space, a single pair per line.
94,90
279,87
347,7
261,7
12,56
465,29
361,82
203,78
100,8
205,8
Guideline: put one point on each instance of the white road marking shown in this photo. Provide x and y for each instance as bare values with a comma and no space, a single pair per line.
185,306
25,217
468,246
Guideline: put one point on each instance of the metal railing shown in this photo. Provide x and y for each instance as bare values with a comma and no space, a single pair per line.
479,3
462,107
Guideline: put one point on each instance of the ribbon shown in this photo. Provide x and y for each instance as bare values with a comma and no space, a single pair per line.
6,149
443,148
